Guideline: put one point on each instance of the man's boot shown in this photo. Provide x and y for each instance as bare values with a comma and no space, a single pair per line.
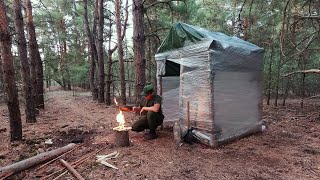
150,135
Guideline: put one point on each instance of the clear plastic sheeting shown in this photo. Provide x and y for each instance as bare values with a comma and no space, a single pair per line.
237,102
170,98
187,56
220,77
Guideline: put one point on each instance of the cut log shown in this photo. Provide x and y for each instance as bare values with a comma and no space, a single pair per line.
71,169
121,138
33,161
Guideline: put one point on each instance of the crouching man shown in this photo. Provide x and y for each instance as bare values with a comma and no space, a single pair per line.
150,113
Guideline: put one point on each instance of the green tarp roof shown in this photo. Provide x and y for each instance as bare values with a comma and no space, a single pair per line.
182,34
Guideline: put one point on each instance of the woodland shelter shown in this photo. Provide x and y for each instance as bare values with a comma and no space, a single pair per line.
220,77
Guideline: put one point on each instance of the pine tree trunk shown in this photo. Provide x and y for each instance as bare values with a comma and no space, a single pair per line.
9,78
120,54
149,54
100,51
92,55
109,66
270,77
1,80
109,80
286,93
278,81
303,82
35,58
65,71
94,43
23,54
138,46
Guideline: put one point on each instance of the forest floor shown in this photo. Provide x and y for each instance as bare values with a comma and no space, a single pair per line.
289,149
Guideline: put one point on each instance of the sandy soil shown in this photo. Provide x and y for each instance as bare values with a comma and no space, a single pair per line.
289,149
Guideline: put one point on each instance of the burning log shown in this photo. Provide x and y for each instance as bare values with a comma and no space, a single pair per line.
122,136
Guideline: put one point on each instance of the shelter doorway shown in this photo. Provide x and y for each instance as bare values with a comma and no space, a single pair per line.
170,91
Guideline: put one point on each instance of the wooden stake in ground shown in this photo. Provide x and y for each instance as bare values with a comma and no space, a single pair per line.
71,169
35,160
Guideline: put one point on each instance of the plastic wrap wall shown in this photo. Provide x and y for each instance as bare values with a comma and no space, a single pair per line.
237,85
194,85
170,98
222,80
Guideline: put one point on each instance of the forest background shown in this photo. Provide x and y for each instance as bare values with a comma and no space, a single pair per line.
108,46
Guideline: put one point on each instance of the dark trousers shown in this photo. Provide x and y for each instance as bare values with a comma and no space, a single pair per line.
149,121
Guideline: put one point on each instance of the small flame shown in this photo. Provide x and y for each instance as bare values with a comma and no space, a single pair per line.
115,101
120,119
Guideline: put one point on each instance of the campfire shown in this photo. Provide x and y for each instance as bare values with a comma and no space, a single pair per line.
120,119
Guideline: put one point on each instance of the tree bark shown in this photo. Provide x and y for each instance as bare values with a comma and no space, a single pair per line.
109,66
303,82
121,138
23,54
269,77
35,58
286,92
120,53
149,61
1,79
94,43
111,51
63,54
100,51
138,46
278,81
9,78
92,56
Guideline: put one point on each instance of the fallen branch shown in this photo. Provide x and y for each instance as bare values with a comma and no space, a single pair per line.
71,169
314,97
74,164
44,165
309,71
33,161
309,17
6,175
